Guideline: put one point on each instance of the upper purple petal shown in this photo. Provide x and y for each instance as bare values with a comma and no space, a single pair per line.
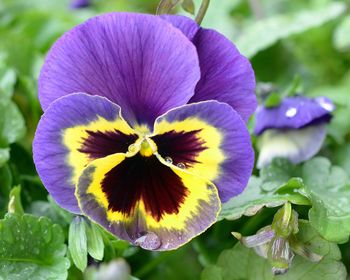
226,75
138,61
294,112
187,26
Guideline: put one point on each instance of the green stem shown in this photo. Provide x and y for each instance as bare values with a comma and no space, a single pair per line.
202,10
255,222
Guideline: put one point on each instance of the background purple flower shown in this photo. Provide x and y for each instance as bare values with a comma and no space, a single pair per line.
295,129
78,4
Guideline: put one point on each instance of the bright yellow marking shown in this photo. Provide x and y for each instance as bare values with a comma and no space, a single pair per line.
209,159
103,166
142,129
148,147
73,138
198,190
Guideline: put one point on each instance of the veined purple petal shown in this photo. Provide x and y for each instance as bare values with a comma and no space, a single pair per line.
187,26
138,61
294,112
213,143
226,75
258,239
75,130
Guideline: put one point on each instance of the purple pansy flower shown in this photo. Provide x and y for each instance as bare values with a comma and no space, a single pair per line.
143,128
295,129
78,4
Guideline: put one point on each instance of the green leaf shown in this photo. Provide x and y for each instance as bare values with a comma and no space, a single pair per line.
7,80
278,183
5,180
77,242
273,100
188,6
341,37
212,272
15,205
341,157
5,187
254,197
329,190
51,210
278,173
31,248
66,216
266,32
95,245
243,263
4,155
12,126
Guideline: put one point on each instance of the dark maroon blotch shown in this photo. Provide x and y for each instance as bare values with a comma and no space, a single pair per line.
160,188
101,144
181,147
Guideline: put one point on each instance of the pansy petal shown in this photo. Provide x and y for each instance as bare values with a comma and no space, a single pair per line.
208,139
226,75
187,26
68,137
148,203
297,145
293,112
138,61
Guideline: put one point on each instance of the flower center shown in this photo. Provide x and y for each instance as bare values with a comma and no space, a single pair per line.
148,147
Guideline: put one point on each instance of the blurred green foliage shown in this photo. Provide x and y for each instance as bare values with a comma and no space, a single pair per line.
283,38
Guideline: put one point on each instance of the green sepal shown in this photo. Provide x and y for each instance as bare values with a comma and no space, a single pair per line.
95,245
77,242
15,205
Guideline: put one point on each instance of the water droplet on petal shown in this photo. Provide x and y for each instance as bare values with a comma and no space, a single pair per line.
210,187
180,165
325,103
149,241
291,112
132,148
110,225
169,160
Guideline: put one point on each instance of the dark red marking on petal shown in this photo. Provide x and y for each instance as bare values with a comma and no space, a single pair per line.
160,188
101,144
181,147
